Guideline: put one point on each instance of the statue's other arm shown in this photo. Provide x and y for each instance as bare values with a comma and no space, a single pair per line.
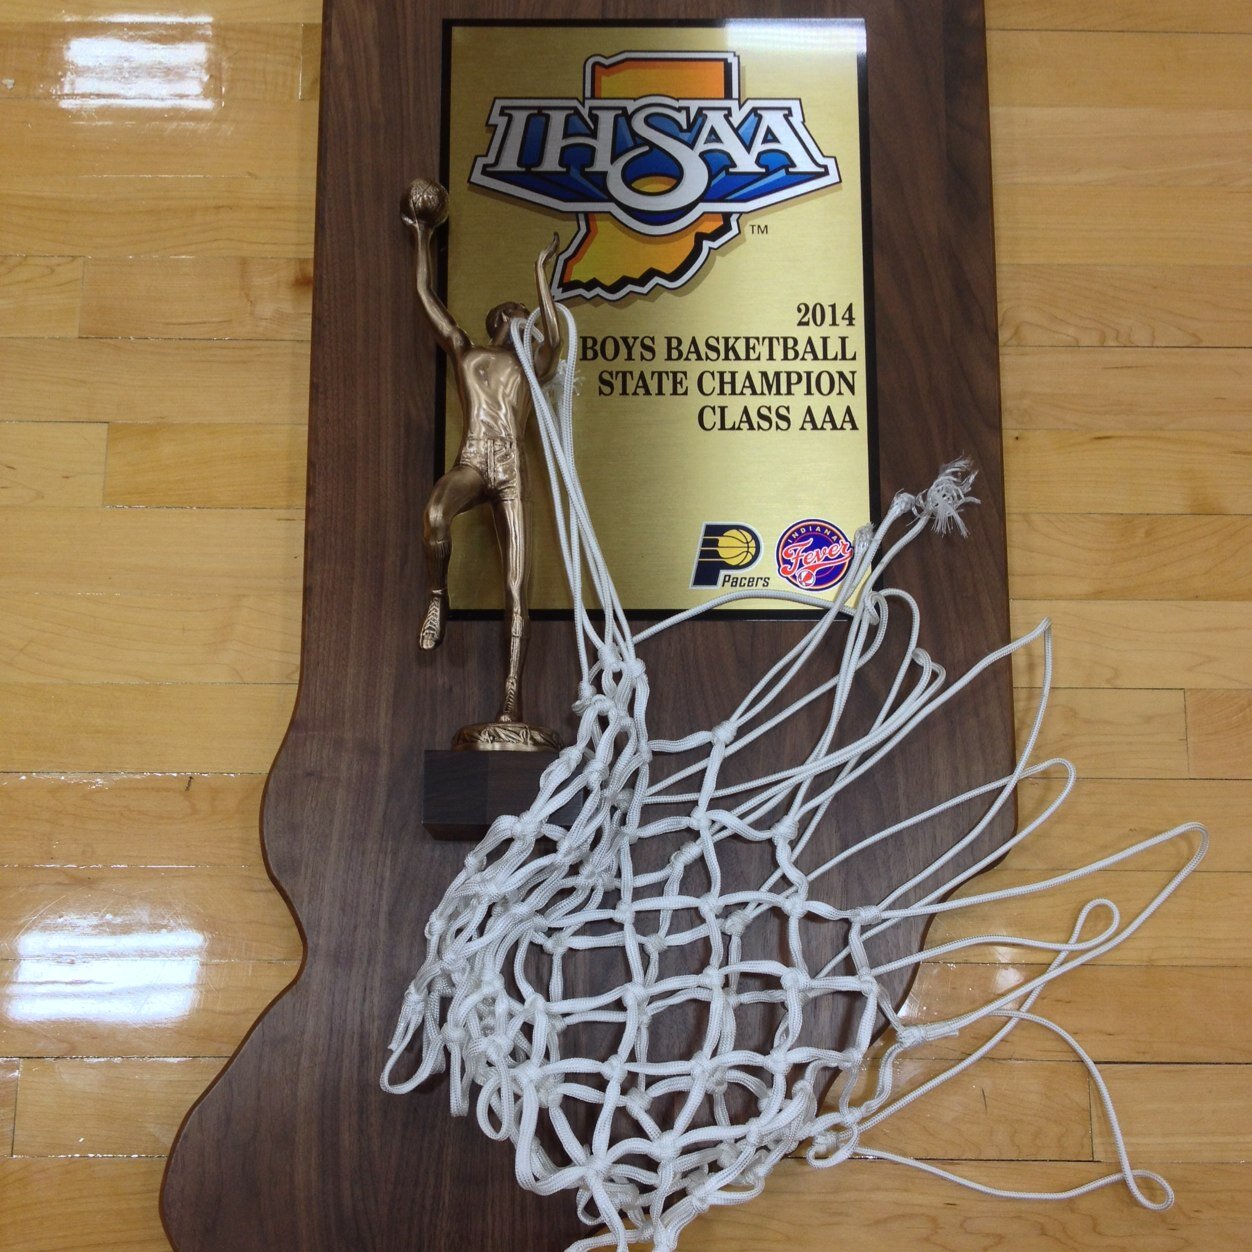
548,353
452,339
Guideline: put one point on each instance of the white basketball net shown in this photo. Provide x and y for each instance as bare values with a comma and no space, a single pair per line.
490,1002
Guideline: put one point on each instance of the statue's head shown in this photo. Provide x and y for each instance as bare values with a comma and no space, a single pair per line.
499,318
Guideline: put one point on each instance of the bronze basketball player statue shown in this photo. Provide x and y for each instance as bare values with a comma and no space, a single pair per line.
490,464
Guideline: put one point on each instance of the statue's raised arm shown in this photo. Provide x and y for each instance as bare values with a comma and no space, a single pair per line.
549,352
424,210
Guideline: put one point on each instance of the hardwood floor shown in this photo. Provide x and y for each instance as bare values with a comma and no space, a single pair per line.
155,257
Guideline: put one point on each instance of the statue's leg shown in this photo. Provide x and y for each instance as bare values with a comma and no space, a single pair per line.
510,523
461,488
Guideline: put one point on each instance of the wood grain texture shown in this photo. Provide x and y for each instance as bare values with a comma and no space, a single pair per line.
106,1107
39,295
195,298
1183,1113
1111,643
1119,389
51,465
189,61
134,1006
1087,225
270,140
930,251
1128,305
1207,923
1140,147
1120,69
1152,1014
155,380
131,726
149,638
178,551
139,216
997,1110
8,1104
1219,726
1111,734
1194,472
876,1208
219,465
1213,17
1104,814
1130,557
84,1189
201,10
210,914
121,819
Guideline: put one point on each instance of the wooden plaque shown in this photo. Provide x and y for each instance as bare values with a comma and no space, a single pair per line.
295,1147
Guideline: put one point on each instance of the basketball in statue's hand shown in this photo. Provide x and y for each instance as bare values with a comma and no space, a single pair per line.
425,202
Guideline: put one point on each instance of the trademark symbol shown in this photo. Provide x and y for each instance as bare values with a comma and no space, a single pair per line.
759,229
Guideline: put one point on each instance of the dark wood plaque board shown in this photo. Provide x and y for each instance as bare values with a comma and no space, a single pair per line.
295,1147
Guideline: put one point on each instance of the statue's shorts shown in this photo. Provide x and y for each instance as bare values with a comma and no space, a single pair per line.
499,463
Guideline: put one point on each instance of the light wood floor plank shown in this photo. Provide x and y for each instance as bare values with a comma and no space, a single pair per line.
1181,1112
1119,70
128,727
211,10
1141,147
1069,225
192,61
8,1105
130,820
134,1007
177,216
119,638
99,1206
59,466
1133,1013
1110,734
178,915
311,62
1118,643
155,380
178,551
996,1110
1104,814
1202,924
215,465
880,1207
40,295
1124,389
1214,16
1195,472
1126,305
198,298
107,1107
1129,557
259,139
1219,732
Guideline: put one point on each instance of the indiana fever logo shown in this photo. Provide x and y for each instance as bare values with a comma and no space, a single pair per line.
813,555
659,160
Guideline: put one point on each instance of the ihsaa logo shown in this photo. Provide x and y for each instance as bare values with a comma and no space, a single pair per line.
659,160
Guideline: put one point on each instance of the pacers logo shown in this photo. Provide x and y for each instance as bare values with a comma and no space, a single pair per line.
658,160
726,547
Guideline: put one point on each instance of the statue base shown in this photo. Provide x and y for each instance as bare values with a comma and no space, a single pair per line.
505,737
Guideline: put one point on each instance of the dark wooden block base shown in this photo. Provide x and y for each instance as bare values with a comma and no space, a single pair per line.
464,792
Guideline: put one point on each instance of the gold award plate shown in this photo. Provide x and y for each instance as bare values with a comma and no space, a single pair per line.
709,186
